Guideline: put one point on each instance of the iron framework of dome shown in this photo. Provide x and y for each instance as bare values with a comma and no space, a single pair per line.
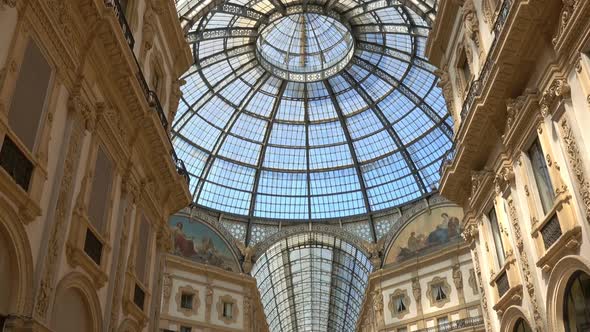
307,111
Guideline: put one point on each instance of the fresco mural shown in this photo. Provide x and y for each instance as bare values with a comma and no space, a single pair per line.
196,241
427,232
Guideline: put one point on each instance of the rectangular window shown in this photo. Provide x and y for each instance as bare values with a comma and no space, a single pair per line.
16,163
185,329
400,306
30,94
497,236
100,191
402,329
93,246
227,309
438,292
143,245
186,300
541,173
138,297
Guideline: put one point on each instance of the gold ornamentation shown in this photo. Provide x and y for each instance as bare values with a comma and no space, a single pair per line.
527,278
470,22
130,189
7,3
445,84
559,89
566,13
577,167
416,289
457,276
513,107
377,296
62,215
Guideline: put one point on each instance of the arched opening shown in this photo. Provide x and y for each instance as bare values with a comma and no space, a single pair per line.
71,311
7,276
576,304
521,326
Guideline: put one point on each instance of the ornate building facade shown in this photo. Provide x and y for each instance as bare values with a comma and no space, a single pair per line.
88,174
515,77
427,282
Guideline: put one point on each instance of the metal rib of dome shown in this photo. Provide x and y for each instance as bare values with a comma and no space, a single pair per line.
358,138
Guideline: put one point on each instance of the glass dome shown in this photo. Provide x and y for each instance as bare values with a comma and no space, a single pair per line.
310,111
305,43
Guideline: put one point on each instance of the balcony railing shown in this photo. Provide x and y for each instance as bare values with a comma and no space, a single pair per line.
551,232
477,85
150,96
455,325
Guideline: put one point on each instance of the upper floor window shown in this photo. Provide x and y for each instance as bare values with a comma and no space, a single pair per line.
228,310
541,174
400,306
24,116
143,245
98,205
497,236
30,94
186,300
438,292
185,329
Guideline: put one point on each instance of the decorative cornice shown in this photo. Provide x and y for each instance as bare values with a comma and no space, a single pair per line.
558,90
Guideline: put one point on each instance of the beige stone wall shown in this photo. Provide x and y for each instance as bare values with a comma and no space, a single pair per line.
211,286
94,105
449,264
530,84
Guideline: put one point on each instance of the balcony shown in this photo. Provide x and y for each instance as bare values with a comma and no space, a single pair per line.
514,33
151,97
457,325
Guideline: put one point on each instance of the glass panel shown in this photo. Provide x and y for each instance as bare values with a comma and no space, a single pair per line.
496,234
98,205
16,163
28,100
301,116
542,178
577,303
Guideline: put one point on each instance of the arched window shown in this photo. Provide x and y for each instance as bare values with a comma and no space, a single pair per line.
521,326
576,311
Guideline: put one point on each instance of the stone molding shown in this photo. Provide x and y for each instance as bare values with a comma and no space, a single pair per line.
235,310
196,303
403,295
436,281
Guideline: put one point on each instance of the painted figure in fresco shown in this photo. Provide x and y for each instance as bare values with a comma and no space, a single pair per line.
447,229
183,244
203,251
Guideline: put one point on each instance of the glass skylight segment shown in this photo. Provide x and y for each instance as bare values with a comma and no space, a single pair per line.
325,278
309,112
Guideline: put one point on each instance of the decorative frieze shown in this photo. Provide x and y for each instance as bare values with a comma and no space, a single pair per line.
63,207
558,89
577,167
524,263
566,13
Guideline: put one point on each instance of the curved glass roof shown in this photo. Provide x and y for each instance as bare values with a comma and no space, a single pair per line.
305,43
278,121
312,282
